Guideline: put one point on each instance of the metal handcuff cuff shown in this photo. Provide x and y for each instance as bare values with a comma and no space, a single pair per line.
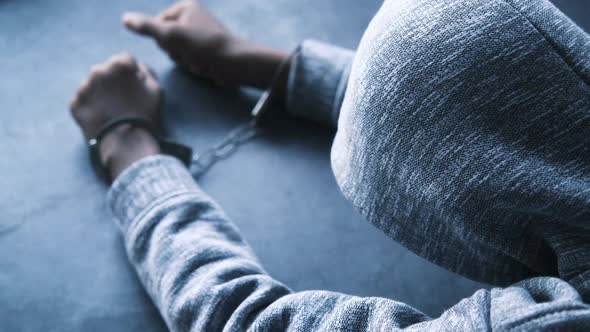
199,163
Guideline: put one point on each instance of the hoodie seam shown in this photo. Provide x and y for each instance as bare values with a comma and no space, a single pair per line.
556,49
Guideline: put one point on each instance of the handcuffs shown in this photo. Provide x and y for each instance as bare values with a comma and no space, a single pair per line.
180,151
184,153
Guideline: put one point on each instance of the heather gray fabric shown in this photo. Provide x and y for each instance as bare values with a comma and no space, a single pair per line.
478,138
203,276
317,81
462,133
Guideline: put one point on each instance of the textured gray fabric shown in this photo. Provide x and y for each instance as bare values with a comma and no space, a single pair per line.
474,153
203,276
325,68
462,134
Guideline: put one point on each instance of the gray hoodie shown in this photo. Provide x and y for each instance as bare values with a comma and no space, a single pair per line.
463,133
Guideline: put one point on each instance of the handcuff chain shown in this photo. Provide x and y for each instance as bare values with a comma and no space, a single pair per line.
227,146
242,133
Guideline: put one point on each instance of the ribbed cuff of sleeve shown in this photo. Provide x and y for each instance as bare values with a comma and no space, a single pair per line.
317,81
147,183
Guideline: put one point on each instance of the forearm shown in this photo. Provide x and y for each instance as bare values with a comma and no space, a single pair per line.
257,66
191,258
203,276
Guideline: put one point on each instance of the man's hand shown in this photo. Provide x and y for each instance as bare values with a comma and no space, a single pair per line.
119,87
202,45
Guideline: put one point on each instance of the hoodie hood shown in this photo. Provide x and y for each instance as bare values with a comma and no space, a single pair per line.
466,137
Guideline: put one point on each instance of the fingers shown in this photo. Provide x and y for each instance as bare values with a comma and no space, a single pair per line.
174,11
146,25
98,70
117,63
122,62
150,77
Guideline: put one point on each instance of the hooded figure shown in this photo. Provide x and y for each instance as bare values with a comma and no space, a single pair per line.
474,151
463,134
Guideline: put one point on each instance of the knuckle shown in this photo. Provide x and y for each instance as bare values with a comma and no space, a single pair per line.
123,59
122,67
97,71
84,88
127,57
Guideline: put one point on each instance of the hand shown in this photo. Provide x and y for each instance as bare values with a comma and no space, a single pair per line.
119,87
202,45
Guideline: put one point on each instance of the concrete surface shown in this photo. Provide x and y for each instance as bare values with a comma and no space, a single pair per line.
62,262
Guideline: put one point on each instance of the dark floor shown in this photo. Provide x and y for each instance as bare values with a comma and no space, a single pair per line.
62,262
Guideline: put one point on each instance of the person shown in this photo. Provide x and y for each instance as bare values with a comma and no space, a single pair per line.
463,132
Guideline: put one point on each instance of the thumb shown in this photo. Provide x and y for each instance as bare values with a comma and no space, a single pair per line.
144,24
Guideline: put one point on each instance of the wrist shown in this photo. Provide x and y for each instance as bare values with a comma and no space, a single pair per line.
124,146
252,64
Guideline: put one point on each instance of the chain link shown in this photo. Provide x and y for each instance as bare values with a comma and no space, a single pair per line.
227,146
241,134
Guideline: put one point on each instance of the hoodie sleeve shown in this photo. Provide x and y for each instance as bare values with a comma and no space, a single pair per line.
203,276
317,81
